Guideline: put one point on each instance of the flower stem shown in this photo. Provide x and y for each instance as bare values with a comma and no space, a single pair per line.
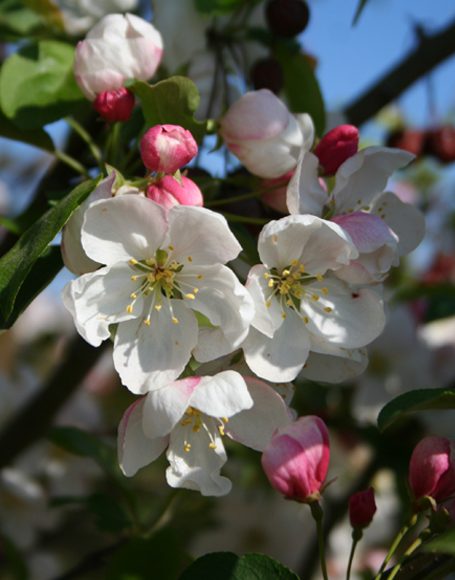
85,136
317,513
356,537
412,548
71,162
396,542
242,197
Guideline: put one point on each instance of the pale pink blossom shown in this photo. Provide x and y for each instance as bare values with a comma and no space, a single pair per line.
432,468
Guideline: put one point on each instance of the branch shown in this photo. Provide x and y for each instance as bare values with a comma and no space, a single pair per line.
431,51
34,419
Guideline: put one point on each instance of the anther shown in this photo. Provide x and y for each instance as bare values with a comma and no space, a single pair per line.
133,262
175,320
328,309
129,308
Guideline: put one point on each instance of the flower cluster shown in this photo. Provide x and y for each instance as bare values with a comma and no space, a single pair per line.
155,277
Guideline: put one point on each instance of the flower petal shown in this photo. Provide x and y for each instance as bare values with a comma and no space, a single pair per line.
198,468
335,368
222,395
304,192
148,357
135,450
99,299
364,175
278,359
266,320
254,427
164,407
123,227
201,236
404,219
355,318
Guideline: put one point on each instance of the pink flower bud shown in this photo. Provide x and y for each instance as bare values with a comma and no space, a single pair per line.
263,134
336,146
432,468
362,508
167,148
297,459
169,192
116,105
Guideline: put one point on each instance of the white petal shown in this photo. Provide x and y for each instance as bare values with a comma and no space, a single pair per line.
74,256
404,219
227,305
164,407
364,175
135,450
356,317
278,359
223,395
99,299
148,357
201,235
335,368
254,427
124,227
319,244
304,192
199,468
266,320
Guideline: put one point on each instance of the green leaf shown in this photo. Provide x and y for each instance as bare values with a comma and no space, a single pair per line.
414,401
84,444
228,566
360,6
17,21
301,86
49,10
160,557
213,7
443,544
173,100
39,138
37,84
15,265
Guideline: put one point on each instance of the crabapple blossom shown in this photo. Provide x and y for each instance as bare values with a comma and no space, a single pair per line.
119,47
167,148
362,508
116,105
300,303
170,191
381,226
432,468
297,458
336,146
264,135
164,272
189,418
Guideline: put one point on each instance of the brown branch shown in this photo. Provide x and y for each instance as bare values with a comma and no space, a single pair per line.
34,419
431,51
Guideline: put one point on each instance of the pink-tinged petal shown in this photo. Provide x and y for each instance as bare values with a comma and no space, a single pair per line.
225,303
368,232
99,299
405,220
305,193
278,359
135,450
297,459
432,468
266,319
254,427
364,175
149,357
171,191
342,316
316,243
74,256
124,227
222,395
201,236
199,467
167,148
164,407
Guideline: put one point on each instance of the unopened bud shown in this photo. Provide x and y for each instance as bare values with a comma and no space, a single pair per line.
336,146
362,508
116,105
170,191
167,148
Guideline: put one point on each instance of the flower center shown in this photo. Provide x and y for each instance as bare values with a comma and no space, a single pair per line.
195,421
290,288
157,277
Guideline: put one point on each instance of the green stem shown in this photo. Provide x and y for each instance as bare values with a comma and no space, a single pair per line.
396,542
356,537
71,162
232,217
317,513
165,513
227,200
85,136
412,548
